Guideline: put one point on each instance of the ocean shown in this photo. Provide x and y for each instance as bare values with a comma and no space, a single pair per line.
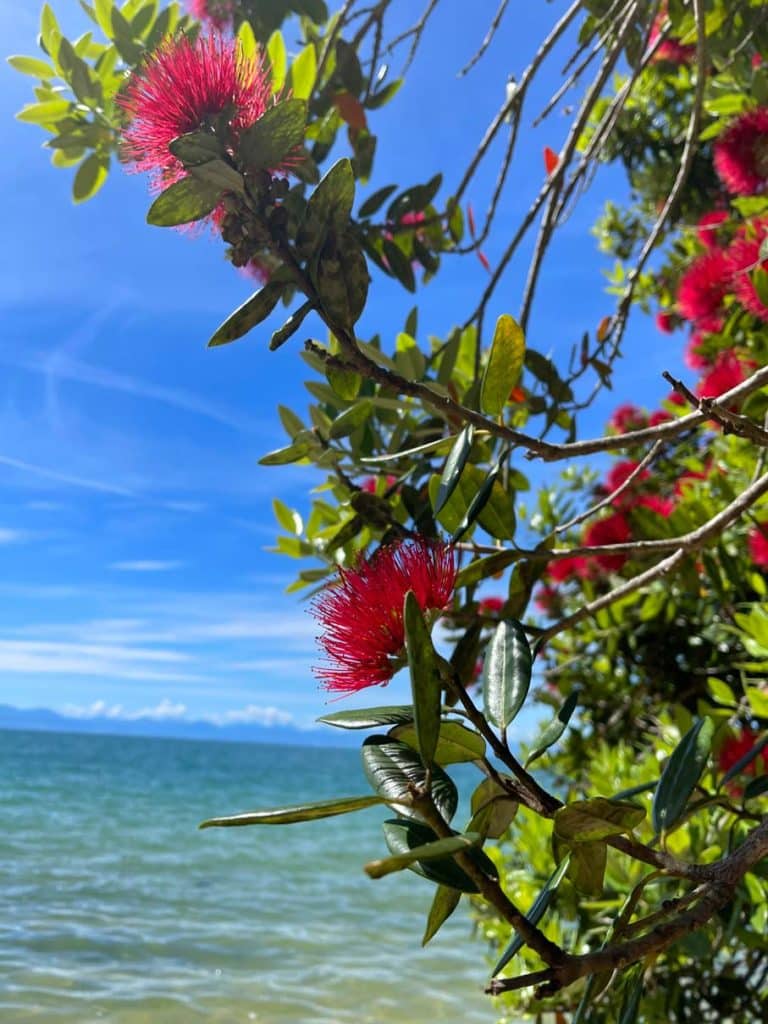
115,908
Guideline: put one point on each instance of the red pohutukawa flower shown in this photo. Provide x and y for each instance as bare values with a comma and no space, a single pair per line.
745,262
218,13
757,539
737,746
671,51
187,85
741,154
703,288
727,372
708,227
614,529
362,614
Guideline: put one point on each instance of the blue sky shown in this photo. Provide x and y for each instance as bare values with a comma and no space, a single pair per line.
133,516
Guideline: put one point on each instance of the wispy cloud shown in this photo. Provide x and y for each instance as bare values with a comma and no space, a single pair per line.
66,478
146,565
10,536
108,661
173,711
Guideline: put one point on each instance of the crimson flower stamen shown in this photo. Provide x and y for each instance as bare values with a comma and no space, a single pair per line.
362,613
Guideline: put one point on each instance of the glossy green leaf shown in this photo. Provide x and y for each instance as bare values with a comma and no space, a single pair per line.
586,867
437,849
399,264
426,681
47,113
183,202
394,769
369,718
588,820
219,175
555,729
482,568
329,207
278,60
299,449
416,198
455,743
345,383
195,148
278,131
32,66
535,914
493,809
756,787
505,363
248,47
633,992
341,279
304,73
375,201
352,418
251,313
291,325
496,515
90,176
443,905
681,773
454,465
506,673
403,835
301,812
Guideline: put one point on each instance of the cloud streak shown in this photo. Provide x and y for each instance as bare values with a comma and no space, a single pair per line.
146,565
173,711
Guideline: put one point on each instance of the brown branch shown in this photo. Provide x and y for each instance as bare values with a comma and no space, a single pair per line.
487,40
716,894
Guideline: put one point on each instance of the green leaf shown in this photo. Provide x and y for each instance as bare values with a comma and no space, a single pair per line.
352,418
300,448
494,510
394,769
504,366
252,312
291,325
493,809
247,44
535,914
182,203
681,773
301,812
403,835
633,992
586,867
454,465
399,264
455,220
48,113
304,73
33,66
555,729
416,198
434,850
195,148
278,59
506,673
289,519
49,28
455,743
756,787
426,682
278,131
329,206
341,278
374,201
588,820
90,176
368,718
443,905
345,383
482,568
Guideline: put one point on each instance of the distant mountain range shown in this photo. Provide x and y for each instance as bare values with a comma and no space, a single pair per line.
45,720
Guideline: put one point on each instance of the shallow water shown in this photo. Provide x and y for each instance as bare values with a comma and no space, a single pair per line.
115,908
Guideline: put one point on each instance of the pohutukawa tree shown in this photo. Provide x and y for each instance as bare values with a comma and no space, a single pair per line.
618,861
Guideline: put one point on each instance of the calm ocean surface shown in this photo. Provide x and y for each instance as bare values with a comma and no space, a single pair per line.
115,908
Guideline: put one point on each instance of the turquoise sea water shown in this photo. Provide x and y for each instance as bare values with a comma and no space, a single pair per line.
115,908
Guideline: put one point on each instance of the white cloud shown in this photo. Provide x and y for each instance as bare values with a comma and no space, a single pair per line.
66,478
104,660
10,536
146,565
170,711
